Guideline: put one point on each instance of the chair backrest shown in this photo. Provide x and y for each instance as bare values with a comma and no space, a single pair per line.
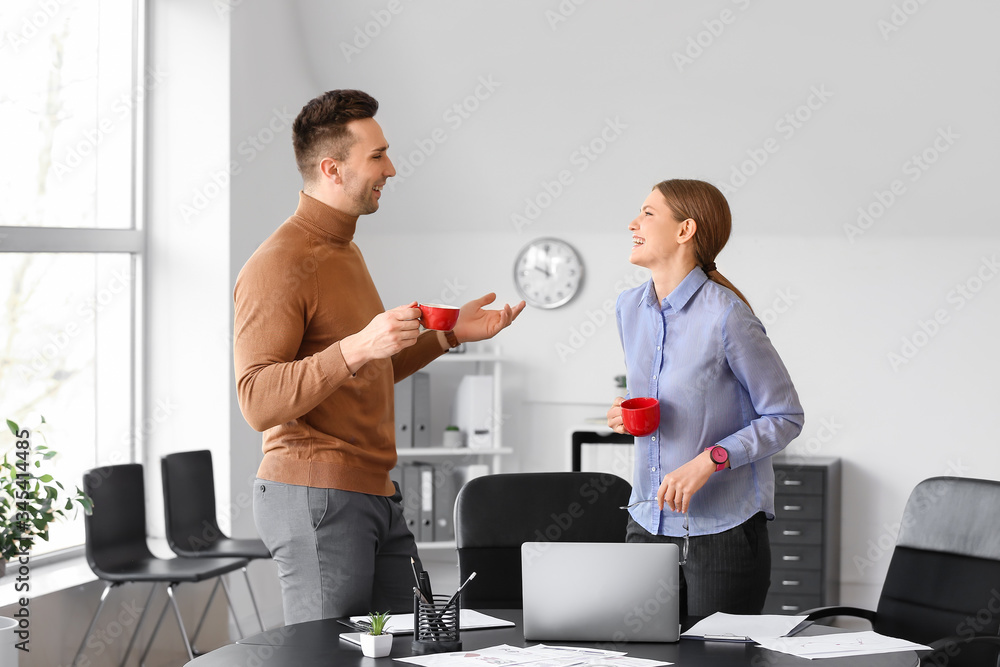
116,530
189,501
944,576
495,514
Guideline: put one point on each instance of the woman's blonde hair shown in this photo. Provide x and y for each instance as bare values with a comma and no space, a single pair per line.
707,206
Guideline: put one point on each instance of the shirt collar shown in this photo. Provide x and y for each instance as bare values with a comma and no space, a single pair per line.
681,294
334,225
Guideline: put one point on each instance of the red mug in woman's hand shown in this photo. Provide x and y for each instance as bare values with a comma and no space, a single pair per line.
641,415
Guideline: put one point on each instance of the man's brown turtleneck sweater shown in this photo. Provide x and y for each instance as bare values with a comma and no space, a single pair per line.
305,289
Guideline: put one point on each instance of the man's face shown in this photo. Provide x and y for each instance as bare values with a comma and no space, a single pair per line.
366,168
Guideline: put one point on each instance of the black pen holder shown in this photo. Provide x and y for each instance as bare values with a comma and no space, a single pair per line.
436,625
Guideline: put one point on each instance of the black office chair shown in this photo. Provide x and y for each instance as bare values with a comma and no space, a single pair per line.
495,514
192,525
941,587
118,554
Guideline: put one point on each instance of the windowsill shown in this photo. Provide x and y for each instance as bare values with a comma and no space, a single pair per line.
51,575
45,578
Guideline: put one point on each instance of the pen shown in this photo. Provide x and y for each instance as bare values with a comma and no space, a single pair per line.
413,566
453,597
420,594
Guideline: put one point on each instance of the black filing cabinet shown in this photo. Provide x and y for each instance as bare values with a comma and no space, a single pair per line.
805,535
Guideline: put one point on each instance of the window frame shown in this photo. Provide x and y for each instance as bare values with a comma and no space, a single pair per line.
93,240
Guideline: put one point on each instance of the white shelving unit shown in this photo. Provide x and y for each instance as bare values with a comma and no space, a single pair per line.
483,362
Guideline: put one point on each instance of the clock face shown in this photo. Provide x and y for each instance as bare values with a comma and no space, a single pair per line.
548,273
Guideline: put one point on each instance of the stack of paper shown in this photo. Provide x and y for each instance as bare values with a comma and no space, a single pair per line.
839,645
533,656
742,628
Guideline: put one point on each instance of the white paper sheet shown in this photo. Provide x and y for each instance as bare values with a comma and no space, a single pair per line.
838,645
535,656
742,628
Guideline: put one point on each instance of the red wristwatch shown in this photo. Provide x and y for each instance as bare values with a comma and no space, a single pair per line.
719,455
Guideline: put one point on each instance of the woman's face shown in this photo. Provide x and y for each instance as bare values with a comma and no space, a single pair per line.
654,232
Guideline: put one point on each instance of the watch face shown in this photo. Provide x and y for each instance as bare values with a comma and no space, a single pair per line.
548,273
719,454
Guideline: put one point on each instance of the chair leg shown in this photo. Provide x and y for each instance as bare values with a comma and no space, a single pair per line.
204,614
135,633
253,600
156,629
104,596
180,621
229,599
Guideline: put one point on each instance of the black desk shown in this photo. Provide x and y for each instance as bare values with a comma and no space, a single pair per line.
318,643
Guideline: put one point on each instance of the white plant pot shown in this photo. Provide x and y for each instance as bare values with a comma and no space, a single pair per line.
8,654
376,646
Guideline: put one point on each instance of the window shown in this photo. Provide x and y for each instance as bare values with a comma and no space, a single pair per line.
70,244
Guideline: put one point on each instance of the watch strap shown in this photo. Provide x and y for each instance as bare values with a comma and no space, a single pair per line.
452,339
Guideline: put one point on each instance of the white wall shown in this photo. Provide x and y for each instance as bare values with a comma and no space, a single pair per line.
838,296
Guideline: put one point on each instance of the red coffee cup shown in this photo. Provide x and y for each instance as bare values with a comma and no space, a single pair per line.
438,317
641,415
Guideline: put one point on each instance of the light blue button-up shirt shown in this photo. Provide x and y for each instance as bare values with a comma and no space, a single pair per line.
719,380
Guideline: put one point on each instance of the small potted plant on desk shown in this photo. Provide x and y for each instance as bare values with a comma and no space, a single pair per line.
376,643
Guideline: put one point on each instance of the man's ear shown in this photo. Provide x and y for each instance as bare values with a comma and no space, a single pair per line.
330,169
686,230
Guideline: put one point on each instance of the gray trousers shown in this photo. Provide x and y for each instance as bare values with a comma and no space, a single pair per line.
729,571
338,553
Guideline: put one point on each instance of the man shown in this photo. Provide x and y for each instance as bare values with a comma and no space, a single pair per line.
316,356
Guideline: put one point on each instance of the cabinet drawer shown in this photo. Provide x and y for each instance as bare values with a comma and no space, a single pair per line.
796,582
795,557
798,506
796,532
790,604
793,480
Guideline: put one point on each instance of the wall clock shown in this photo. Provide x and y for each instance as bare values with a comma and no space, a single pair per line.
548,273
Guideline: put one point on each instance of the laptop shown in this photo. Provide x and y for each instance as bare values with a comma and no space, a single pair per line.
587,591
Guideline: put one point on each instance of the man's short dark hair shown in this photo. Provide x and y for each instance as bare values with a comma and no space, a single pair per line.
320,130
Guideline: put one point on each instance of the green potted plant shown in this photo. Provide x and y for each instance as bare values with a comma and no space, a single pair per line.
376,643
30,497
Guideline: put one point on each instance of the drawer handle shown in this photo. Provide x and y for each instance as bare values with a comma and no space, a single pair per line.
792,508
792,482
789,607
792,558
790,582
791,533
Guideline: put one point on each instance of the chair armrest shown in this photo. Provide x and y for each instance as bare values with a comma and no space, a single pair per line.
829,612
942,646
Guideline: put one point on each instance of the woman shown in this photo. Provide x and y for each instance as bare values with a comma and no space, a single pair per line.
726,402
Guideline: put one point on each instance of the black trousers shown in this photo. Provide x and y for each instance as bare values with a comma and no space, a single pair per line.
729,571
